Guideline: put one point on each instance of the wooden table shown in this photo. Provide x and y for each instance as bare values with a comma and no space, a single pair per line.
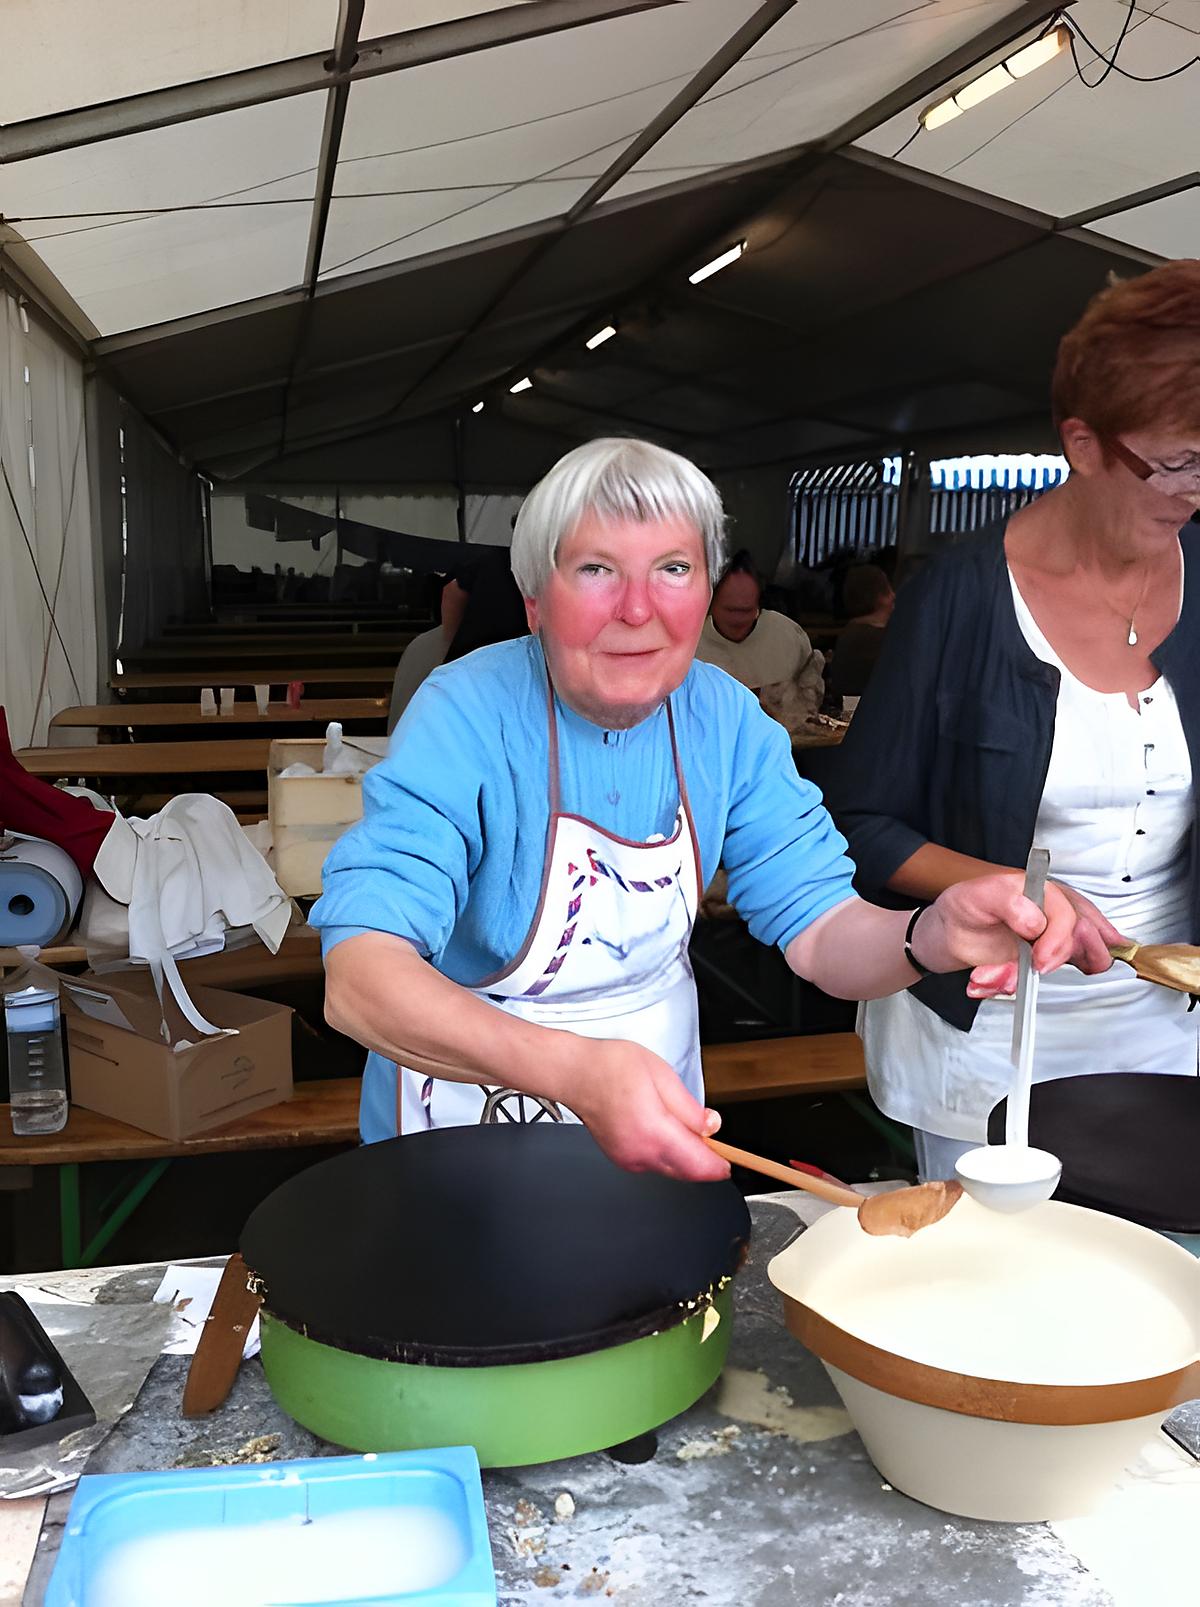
818,736
317,1113
140,716
257,675
148,758
253,966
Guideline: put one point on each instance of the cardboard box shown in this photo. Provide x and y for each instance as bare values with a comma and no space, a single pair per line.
121,1066
309,813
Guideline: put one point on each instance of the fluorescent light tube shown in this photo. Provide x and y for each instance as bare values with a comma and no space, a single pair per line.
601,336
525,384
943,111
717,263
980,89
1040,52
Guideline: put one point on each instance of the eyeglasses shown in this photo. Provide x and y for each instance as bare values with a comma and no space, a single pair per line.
1181,481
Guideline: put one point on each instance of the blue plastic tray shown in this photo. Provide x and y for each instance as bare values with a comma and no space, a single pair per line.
134,1537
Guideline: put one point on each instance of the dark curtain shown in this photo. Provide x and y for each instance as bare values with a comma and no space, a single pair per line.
165,567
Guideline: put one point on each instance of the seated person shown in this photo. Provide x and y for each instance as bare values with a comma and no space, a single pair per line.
868,599
480,605
763,650
426,651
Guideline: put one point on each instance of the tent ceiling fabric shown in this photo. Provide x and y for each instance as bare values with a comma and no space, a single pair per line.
488,142
343,266
56,51
129,270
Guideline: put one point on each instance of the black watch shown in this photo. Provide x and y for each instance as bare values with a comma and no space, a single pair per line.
921,970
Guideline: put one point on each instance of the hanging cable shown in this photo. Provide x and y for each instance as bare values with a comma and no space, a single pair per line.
1111,64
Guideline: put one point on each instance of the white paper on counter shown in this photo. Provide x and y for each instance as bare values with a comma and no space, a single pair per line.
191,1292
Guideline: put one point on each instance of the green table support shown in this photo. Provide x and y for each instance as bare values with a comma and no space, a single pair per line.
115,1211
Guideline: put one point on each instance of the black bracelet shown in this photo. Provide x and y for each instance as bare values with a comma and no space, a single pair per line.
921,970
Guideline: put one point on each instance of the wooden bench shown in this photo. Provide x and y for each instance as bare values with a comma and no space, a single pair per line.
769,1068
136,718
185,653
317,1113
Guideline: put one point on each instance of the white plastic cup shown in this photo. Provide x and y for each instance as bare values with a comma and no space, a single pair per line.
227,695
208,703
849,704
262,696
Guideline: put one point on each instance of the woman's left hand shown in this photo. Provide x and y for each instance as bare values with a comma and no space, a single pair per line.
976,923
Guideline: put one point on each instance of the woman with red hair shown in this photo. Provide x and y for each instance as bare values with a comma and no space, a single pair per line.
1041,683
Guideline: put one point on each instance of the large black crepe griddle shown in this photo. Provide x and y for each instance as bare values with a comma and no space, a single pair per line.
472,1246
1128,1141
506,1287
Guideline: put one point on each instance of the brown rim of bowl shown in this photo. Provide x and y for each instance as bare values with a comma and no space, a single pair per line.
1059,1405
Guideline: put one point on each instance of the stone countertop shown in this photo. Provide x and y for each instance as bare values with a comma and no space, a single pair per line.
760,1496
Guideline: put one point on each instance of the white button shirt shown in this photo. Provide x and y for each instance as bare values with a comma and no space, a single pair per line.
1116,814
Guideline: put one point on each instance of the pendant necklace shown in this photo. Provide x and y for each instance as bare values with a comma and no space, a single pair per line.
1132,638
1130,626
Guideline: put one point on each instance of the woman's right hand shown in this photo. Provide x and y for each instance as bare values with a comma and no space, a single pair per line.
640,1114
1093,933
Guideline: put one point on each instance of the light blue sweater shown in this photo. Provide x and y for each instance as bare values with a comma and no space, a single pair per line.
449,853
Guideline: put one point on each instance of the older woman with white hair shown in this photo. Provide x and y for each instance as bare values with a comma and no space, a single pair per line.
514,910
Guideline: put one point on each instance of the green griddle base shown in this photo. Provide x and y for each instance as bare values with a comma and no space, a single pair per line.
513,1416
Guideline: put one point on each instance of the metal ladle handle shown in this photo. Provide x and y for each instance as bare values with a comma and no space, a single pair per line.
1016,1121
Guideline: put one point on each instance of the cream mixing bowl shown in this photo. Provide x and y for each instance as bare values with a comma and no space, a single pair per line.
1004,1367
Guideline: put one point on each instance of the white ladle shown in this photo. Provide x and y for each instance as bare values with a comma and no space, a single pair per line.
1013,1176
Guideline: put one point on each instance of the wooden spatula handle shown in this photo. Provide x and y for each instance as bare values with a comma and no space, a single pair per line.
219,1353
785,1174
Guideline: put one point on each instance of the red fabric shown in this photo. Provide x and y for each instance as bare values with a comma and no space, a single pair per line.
36,809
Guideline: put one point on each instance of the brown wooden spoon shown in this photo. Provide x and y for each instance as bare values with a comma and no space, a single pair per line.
900,1212
1171,965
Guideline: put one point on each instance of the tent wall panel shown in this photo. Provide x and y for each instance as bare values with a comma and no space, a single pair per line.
48,595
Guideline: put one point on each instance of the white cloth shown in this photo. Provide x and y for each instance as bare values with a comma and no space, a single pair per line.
181,884
624,912
1116,815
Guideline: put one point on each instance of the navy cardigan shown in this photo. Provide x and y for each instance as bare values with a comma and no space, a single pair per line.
951,743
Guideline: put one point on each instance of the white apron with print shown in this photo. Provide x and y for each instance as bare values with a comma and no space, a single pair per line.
606,955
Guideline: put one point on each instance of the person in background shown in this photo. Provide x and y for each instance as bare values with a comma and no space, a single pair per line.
513,911
1040,684
766,651
426,651
494,610
868,600
480,605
